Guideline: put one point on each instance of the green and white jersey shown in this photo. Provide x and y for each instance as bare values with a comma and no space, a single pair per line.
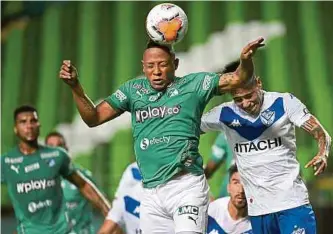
166,124
78,207
34,187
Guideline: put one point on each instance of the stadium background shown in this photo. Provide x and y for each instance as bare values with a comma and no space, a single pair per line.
106,40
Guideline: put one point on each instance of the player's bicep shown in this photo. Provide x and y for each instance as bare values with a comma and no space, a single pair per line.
105,112
228,81
296,110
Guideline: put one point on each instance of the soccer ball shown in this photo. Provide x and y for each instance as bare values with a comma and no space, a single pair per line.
166,24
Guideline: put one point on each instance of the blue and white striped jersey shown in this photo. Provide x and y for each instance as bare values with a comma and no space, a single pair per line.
264,148
126,205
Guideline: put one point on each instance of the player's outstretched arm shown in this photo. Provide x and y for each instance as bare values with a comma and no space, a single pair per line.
92,115
90,191
211,167
319,162
245,70
110,227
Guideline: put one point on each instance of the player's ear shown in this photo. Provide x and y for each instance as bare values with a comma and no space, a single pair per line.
176,63
143,66
259,83
15,130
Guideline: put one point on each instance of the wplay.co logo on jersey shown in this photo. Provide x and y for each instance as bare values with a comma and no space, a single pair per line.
145,142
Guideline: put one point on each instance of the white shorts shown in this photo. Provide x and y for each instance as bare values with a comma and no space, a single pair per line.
180,205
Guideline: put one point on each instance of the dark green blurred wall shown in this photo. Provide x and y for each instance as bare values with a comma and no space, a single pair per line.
106,39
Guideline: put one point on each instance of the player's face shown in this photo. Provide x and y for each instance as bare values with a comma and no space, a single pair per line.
236,191
249,99
27,126
56,141
159,67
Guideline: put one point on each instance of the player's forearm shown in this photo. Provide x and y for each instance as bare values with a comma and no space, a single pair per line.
85,106
96,198
245,70
110,227
313,127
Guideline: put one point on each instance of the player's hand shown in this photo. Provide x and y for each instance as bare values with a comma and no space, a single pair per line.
68,73
319,164
250,49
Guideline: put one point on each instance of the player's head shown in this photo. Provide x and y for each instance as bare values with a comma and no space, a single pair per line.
159,65
235,188
26,123
249,96
56,139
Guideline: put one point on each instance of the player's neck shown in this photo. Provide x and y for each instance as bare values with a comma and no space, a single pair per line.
28,147
235,213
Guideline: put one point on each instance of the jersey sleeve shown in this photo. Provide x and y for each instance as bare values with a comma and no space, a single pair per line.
67,167
210,121
120,99
207,85
296,110
116,212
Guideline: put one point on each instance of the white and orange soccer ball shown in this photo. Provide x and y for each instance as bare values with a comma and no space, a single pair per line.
166,23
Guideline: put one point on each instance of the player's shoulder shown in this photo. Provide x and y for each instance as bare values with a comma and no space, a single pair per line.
223,106
219,206
275,95
52,152
12,156
200,75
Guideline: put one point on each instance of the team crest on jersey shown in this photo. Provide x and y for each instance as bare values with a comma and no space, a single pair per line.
299,231
267,117
154,98
173,92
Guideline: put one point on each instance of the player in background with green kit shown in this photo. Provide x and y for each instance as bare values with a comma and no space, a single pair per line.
80,211
166,112
32,174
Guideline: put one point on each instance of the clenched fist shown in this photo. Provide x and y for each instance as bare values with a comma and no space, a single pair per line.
68,73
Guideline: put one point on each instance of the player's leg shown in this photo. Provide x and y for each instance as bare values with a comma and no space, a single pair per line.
298,220
188,203
153,219
265,224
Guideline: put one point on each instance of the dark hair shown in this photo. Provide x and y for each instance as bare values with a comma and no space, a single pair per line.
232,170
166,48
231,67
56,134
24,108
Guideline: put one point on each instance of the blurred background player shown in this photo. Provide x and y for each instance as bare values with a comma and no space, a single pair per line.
229,214
221,151
260,127
221,154
158,102
125,211
32,174
80,211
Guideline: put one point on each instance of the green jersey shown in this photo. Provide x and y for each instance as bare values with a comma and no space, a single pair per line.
78,207
221,150
166,124
33,183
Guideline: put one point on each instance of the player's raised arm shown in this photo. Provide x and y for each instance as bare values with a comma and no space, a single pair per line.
92,115
245,70
90,191
319,162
